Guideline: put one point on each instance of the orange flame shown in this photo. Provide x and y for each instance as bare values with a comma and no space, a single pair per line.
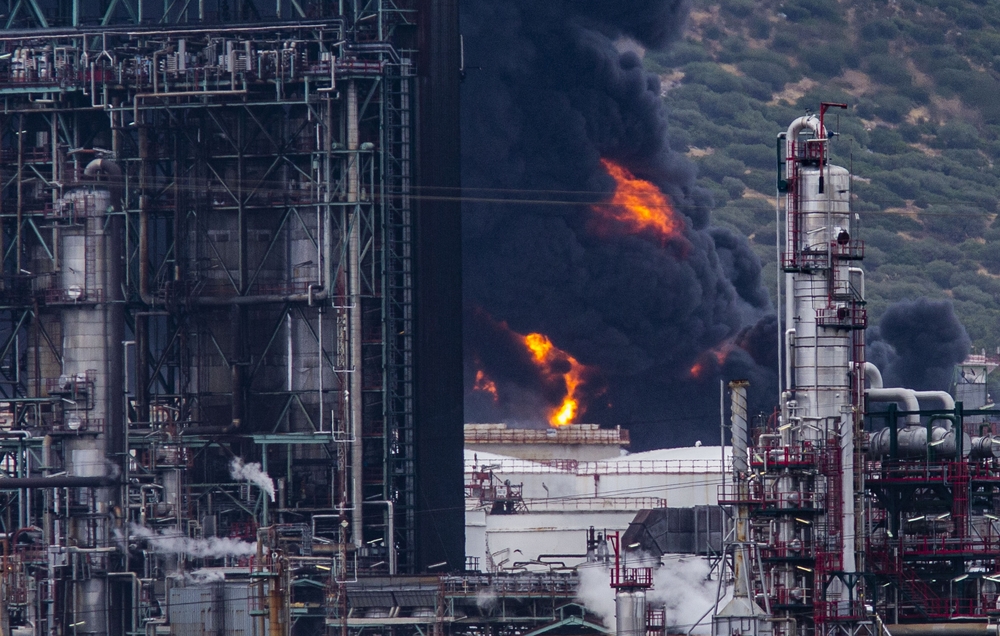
546,356
697,369
719,354
485,384
639,205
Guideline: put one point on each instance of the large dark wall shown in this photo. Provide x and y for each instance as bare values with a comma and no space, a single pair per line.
440,511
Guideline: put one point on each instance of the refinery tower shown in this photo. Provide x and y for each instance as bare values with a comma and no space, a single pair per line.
858,508
229,304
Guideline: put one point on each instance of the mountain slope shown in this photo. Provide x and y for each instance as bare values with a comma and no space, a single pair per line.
922,134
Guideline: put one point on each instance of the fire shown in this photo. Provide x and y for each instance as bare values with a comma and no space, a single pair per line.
485,384
639,205
547,356
719,354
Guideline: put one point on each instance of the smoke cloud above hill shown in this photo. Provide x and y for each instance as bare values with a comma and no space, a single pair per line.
918,343
548,95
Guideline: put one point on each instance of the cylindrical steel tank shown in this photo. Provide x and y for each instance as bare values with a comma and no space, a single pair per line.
912,442
822,355
630,613
985,447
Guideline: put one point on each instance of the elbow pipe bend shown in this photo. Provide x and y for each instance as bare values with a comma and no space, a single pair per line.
873,375
942,397
905,397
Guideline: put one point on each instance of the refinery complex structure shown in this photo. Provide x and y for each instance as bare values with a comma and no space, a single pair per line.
231,378
210,260
851,519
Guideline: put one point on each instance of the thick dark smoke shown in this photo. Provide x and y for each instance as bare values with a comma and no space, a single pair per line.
918,343
547,95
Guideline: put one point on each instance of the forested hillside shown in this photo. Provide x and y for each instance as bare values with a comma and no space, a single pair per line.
922,135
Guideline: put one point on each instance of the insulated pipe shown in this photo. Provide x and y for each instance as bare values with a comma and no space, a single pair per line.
236,314
986,447
738,397
390,531
806,121
792,136
904,397
114,174
911,441
47,470
16,483
789,354
354,318
943,397
847,486
851,271
942,629
741,570
142,322
266,299
873,375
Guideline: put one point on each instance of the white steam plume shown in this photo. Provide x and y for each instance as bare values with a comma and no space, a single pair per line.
204,576
176,543
595,591
681,585
486,598
253,473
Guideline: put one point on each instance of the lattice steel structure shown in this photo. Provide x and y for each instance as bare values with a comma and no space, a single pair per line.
213,248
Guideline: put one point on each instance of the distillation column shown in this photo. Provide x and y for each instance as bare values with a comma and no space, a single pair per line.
824,316
89,289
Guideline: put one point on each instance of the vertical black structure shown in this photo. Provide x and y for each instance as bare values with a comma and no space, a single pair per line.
211,250
439,413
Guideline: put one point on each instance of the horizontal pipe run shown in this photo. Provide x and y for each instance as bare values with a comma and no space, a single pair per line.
259,300
905,397
942,629
131,31
219,93
942,397
16,483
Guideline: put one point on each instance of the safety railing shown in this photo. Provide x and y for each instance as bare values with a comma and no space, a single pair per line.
619,467
579,434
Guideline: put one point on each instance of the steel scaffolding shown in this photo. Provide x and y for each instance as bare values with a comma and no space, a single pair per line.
238,185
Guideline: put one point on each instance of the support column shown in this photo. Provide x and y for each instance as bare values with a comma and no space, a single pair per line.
354,293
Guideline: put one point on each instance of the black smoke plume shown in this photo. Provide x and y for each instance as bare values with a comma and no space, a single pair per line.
549,92
918,343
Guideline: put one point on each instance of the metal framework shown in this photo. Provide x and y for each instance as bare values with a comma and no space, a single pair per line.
798,488
207,253
933,544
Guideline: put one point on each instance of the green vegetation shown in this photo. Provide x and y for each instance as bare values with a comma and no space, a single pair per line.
922,134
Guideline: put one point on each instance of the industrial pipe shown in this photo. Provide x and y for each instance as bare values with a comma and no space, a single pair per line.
142,322
985,447
144,96
806,121
354,317
790,358
390,531
16,483
947,402
904,397
942,629
873,375
912,442
113,174
738,396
